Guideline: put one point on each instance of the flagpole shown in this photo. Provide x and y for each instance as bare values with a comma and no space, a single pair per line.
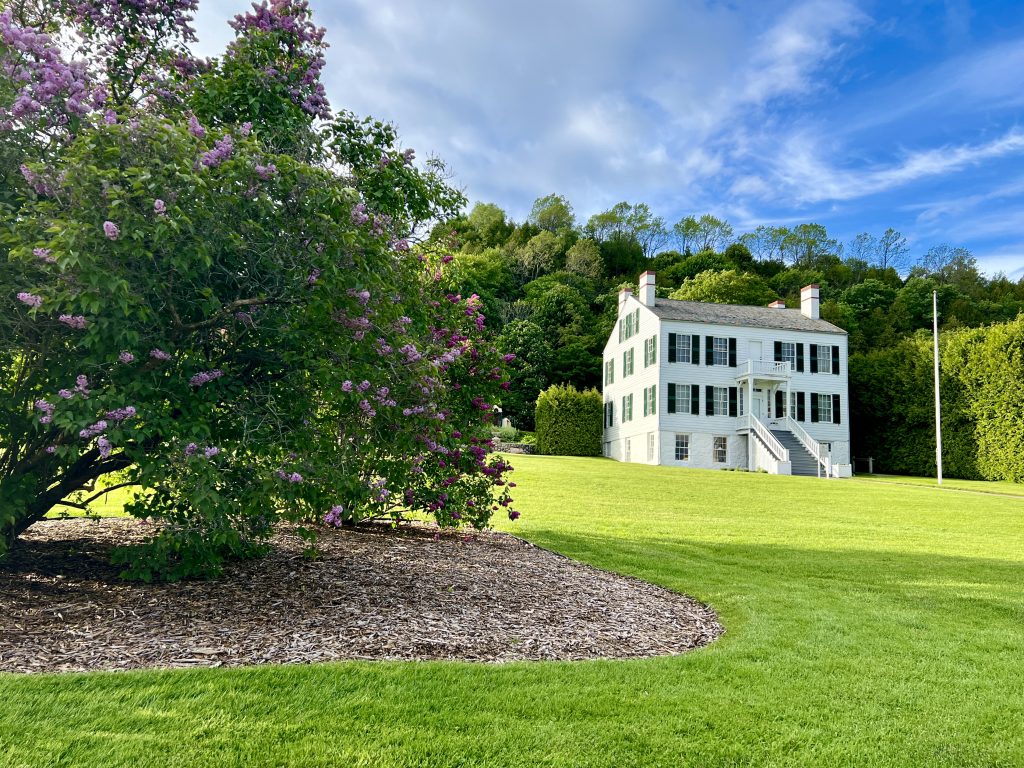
938,408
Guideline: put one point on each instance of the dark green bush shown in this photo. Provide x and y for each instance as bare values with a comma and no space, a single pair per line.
569,421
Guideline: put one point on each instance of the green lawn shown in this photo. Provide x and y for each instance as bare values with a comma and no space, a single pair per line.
868,623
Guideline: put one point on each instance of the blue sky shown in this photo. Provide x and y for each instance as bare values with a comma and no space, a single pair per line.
855,115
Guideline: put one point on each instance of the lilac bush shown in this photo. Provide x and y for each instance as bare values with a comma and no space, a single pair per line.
218,294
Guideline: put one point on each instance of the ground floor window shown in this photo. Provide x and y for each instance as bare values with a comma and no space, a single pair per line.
721,450
629,453
651,441
607,448
682,447
825,408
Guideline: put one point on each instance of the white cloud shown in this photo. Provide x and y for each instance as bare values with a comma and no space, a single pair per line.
805,177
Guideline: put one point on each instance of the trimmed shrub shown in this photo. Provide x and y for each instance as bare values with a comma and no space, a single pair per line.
569,421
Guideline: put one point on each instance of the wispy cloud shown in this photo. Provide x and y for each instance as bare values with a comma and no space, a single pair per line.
801,173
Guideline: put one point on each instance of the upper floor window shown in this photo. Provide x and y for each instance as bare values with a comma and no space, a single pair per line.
627,362
721,351
651,400
609,372
788,354
680,348
721,395
824,358
627,408
650,351
609,413
825,408
629,325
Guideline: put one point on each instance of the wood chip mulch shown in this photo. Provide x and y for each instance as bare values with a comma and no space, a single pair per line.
374,593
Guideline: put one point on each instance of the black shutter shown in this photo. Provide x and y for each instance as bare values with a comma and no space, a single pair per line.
800,412
814,358
732,401
671,398
814,407
800,358
695,399
732,353
709,350
709,401
778,351
671,347
835,362
779,394
836,418
695,349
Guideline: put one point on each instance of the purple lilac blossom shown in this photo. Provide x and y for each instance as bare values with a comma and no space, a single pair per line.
111,230
159,354
246,128
74,321
211,451
205,377
191,449
44,255
195,128
93,429
159,207
126,357
265,171
221,151
120,414
105,447
30,298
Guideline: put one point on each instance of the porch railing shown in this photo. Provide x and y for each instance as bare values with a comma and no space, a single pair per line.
768,440
816,449
765,368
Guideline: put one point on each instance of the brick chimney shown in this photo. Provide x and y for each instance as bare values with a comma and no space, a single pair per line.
778,305
646,292
624,294
810,302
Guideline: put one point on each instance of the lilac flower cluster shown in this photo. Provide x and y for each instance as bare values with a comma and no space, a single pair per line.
93,429
120,414
208,452
291,20
294,477
359,215
222,149
47,409
159,354
126,357
195,128
333,517
43,80
159,207
30,298
111,230
265,171
105,446
205,377
43,254
73,321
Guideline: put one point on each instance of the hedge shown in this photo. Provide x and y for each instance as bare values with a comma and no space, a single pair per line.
569,421
982,384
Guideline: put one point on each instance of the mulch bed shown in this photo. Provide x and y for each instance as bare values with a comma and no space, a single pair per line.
375,593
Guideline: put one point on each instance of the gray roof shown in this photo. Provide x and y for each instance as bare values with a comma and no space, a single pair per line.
736,314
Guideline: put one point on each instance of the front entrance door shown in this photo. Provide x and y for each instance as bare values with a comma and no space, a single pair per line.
760,404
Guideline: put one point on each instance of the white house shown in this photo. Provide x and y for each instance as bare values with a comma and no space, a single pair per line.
691,384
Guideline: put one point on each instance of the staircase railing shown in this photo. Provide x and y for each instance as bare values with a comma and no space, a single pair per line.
817,450
768,440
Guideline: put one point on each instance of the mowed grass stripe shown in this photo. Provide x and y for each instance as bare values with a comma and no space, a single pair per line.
867,624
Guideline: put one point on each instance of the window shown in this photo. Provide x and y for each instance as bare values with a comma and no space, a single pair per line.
608,449
824,408
721,351
650,351
788,354
721,450
627,362
628,452
609,413
721,401
609,372
680,348
651,438
627,408
629,325
651,400
682,447
824,359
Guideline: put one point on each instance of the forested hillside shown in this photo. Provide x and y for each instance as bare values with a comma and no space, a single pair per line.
549,285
